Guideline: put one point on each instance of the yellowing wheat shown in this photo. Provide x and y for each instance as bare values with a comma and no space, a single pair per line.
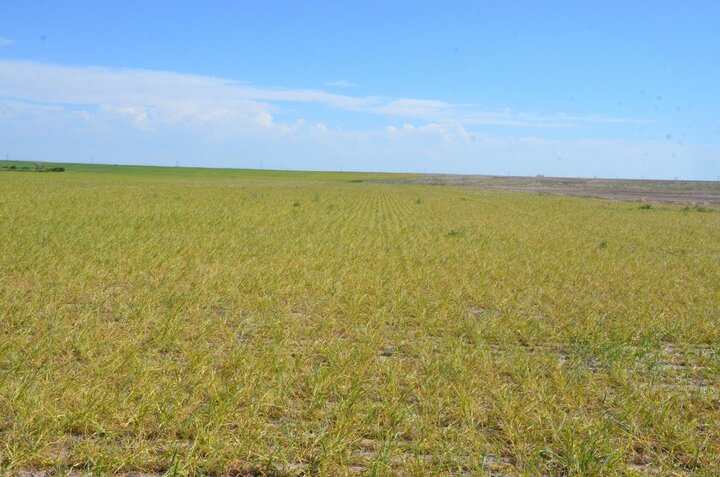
288,324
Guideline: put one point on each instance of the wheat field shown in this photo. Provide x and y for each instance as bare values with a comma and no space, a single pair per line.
266,323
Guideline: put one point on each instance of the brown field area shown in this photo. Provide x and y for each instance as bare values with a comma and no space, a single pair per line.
661,191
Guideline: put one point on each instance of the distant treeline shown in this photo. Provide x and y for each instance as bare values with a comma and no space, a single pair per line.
37,168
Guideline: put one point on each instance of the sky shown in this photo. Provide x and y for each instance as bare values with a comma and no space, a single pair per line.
588,89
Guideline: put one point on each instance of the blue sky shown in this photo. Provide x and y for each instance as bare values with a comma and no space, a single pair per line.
607,89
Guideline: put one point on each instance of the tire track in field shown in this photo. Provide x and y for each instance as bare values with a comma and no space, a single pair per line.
405,236
343,236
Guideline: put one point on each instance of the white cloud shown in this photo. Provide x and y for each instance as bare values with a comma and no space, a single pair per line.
178,97
5,42
341,84
171,97
138,115
142,116
10,109
440,111
416,108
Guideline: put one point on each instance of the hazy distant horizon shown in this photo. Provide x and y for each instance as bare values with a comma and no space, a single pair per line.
432,173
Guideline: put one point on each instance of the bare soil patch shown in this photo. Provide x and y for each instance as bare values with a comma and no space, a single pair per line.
705,193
